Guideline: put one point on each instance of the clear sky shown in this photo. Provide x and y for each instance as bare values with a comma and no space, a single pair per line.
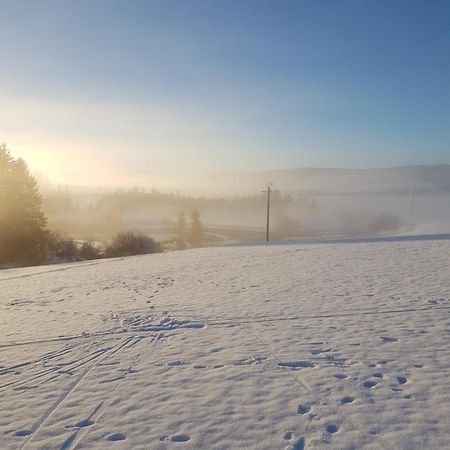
94,91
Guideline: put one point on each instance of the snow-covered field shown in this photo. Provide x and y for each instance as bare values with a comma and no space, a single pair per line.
323,346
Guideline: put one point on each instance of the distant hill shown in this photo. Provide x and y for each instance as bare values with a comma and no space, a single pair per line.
396,180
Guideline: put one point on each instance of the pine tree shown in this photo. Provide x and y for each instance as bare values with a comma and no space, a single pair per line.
180,232
22,223
196,236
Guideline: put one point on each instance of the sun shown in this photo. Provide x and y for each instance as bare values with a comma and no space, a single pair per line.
39,161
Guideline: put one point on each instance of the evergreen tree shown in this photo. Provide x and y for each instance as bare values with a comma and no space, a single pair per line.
23,239
180,232
196,236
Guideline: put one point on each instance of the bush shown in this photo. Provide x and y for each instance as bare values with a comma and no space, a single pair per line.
129,243
90,250
61,247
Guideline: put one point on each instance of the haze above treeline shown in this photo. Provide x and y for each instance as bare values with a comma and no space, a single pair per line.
307,203
315,181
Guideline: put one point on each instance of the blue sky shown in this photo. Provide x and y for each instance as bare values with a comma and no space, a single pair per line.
174,86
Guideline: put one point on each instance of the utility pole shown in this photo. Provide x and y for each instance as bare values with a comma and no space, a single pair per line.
269,190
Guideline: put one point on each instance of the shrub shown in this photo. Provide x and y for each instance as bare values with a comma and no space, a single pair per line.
61,247
91,250
129,243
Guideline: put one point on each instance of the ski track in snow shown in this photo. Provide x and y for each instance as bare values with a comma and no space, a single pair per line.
293,347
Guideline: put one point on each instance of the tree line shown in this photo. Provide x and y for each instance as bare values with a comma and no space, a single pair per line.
27,219
123,200
24,237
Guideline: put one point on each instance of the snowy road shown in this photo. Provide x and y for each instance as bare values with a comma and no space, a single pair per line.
335,346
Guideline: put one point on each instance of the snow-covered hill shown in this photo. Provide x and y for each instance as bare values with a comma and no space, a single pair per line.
322,346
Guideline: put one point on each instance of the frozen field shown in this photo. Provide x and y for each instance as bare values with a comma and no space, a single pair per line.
324,346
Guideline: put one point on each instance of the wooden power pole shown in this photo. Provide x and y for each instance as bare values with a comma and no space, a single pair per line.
269,190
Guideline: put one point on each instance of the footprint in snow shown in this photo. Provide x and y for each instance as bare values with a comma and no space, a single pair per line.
115,437
369,384
332,428
340,376
288,435
299,444
216,349
296,364
303,409
84,423
346,400
252,360
319,351
388,339
178,438
402,380
178,362
22,433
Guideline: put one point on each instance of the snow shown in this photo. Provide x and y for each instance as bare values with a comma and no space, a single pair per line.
319,346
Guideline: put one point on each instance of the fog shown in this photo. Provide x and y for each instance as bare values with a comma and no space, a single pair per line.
306,203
